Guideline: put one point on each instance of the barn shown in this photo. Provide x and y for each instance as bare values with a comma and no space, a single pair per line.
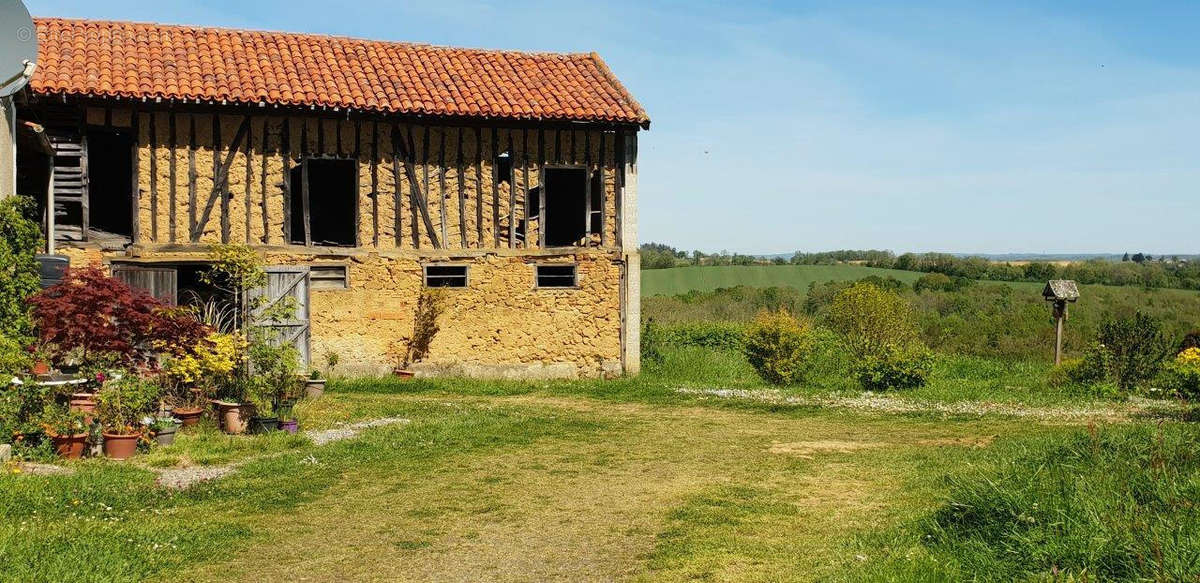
364,172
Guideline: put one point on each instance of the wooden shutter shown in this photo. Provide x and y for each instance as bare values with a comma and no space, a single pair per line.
160,282
286,282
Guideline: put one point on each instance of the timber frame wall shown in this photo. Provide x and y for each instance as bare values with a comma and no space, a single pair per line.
220,175
427,188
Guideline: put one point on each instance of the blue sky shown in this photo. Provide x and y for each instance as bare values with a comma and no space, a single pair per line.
956,126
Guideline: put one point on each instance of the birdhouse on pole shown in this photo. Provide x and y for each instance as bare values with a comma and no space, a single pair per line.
1061,292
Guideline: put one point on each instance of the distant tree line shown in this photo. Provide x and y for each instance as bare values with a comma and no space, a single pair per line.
1137,269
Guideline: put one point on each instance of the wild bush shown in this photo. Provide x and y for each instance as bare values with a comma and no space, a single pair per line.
871,319
894,367
779,347
1136,347
940,282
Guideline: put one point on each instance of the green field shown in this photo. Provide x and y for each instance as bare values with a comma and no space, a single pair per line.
684,279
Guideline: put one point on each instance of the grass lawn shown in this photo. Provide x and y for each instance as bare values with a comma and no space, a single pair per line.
585,480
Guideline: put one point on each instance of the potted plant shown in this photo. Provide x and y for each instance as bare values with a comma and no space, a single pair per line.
67,430
430,306
274,382
234,408
120,406
314,385
194,374
163,428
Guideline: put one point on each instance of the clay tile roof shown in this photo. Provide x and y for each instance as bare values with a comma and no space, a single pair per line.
137,60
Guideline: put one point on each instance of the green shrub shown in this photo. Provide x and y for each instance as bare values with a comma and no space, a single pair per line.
652,343
779,347
940,282
870,319
1136,347
894,368
1182,374
715,335
20,240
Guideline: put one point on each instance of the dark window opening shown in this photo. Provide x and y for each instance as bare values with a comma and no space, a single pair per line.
331,202
110,182
504,168
445,276
556,276
566,206
328,277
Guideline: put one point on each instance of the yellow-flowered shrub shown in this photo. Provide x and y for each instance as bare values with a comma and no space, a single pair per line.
213,358
1182,374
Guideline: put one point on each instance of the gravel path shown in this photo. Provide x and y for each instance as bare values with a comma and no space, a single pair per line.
872,402
182,478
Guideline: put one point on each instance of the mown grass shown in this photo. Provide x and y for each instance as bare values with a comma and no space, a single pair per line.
109,522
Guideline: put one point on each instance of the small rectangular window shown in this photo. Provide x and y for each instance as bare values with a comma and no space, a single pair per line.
328,277
556,276
445,276
332,196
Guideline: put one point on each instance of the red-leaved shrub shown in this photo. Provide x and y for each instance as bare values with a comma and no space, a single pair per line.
94,317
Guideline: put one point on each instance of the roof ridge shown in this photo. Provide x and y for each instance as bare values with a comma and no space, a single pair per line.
345,37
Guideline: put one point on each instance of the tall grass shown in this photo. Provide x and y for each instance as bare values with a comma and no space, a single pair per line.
1118,503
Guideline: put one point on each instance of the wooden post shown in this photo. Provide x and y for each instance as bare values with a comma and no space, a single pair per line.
1060,314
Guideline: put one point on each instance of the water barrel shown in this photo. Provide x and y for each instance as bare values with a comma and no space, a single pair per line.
52,268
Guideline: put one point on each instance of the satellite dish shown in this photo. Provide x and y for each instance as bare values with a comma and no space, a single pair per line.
18,47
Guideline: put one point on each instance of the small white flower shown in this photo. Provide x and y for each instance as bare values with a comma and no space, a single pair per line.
16,381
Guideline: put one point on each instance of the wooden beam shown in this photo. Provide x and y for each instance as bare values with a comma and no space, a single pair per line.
512,192
304,153
375,187
525,187
587,185
153,177
216,160
192,177
320,135
171,203
495,187
357,161
135,193
462,190
479,187
221,179
558,146
619,179
424,177
249,179
603,188
419,204
442,194
285,146
541,154
266,220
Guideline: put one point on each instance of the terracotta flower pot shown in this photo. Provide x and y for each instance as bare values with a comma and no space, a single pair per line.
235,417
404,373
119,446
314,388
41,367
84,403
188,416
69,446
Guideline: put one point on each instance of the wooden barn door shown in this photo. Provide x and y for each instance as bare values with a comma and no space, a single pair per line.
285,282
160,282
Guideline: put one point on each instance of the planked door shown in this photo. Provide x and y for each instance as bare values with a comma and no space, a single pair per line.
160,282
284,282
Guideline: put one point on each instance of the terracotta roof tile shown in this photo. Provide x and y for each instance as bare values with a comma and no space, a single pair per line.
137,60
